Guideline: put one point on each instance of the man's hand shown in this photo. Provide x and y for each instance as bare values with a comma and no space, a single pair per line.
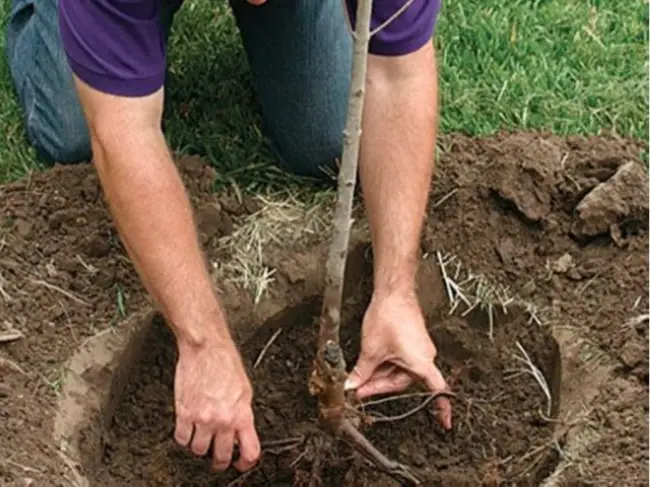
213,405
396,350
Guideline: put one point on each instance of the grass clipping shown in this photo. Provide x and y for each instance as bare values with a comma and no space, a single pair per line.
283,220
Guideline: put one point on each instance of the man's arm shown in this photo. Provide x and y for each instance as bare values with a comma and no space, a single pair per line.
396,166
153,216
397,159
116,54
151,210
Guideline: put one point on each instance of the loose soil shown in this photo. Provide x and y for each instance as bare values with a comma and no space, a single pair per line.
497,423
562,222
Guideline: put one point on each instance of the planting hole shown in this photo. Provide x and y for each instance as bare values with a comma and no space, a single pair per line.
501,427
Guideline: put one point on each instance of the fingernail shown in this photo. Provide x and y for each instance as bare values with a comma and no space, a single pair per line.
348,385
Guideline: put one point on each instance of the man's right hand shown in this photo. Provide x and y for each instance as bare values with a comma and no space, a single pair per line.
154,218
213,397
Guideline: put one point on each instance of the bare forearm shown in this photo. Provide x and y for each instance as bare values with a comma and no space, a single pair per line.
396,164
153,216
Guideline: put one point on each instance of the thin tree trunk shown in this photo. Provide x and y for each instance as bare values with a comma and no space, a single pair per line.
329,373
331,313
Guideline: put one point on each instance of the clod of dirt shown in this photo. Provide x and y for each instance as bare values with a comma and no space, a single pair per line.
525,191
563,264
622,200
213,222
24,228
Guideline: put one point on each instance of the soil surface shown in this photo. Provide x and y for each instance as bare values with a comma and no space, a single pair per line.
497,418
561,222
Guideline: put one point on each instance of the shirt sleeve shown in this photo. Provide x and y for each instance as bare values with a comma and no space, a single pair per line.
115,46
408,32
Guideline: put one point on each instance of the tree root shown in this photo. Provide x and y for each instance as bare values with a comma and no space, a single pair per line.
395,469
316,480
277,447
326,382
400,417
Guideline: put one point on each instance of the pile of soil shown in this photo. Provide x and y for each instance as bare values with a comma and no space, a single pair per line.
563,222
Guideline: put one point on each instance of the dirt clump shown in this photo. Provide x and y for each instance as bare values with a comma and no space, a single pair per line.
521,210
621,199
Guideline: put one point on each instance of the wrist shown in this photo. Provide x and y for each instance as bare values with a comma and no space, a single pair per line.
395,280
209,329
404,290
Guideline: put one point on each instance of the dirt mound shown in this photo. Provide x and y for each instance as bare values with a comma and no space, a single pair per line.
533,212
563,223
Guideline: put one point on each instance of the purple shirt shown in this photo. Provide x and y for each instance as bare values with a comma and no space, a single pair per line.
116,46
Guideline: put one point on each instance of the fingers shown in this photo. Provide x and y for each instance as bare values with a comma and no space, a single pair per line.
222,440
384,370
249,446
435,382
183,432
222,451
201,440
396,381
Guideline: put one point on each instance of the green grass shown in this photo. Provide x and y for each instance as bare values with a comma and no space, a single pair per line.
574,67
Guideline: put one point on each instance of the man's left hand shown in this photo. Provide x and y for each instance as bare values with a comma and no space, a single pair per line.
396,350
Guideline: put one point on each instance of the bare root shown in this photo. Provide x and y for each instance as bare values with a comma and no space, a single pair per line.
395,469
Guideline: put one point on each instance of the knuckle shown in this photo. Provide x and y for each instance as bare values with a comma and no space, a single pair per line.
214,417
252,453
252,456
182,412
223,457
223,419
205,416
221,463
199,449
244,421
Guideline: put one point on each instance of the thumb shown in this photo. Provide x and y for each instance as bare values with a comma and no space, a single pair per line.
361,373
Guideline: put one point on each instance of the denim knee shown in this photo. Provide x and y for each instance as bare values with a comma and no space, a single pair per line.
310,149
53,116
68,149
58,131
300,55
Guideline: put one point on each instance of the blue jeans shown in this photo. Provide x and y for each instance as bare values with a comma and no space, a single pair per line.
300,55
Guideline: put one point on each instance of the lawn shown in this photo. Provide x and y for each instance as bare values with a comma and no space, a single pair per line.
571,67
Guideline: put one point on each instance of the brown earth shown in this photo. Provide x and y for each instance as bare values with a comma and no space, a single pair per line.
562,223
488,414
